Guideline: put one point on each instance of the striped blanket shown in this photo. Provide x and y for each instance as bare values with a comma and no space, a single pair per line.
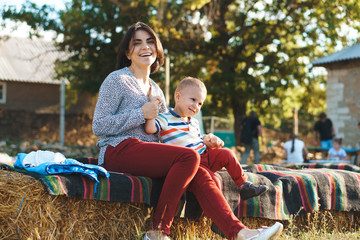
293,189
119,187
296,189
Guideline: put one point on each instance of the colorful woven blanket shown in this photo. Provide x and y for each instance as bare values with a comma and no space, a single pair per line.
293,189
296,189
119,187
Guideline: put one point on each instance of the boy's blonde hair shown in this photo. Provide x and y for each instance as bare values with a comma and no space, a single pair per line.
192,82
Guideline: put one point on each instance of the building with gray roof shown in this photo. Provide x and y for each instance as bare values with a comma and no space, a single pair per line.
343,92
30,92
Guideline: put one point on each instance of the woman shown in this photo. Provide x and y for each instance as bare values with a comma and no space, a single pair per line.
294,150
122,108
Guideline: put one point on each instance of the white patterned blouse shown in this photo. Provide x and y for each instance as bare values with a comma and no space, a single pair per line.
118,114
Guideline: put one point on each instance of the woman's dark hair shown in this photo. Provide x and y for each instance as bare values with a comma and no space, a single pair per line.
123,61
293,137
338,140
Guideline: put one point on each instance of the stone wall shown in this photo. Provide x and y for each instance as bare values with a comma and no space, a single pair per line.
343,100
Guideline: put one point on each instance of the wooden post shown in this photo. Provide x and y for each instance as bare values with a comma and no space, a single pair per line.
167,79
62,113
296,122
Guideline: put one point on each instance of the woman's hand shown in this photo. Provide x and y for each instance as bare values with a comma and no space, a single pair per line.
156,100
151,109
212,141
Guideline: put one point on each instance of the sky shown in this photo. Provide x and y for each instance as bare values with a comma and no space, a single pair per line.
58,4
23,29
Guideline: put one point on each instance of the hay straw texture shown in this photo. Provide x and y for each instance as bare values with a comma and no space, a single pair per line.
28,212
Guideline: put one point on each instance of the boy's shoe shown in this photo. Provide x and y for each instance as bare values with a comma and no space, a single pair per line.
249,190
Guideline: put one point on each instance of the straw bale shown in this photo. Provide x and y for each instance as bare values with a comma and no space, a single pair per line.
27,211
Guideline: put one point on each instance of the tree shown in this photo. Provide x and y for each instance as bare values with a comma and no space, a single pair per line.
91,32
255,50
248,52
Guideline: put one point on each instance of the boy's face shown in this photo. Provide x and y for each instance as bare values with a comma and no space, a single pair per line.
336,145
189,101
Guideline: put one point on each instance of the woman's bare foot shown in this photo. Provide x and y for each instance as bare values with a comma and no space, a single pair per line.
156,235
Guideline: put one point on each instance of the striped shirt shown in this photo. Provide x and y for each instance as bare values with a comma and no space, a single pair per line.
176,131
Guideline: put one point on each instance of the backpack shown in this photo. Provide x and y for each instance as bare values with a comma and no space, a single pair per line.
246,134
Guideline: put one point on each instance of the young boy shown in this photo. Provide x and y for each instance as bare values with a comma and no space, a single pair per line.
178,127
337,152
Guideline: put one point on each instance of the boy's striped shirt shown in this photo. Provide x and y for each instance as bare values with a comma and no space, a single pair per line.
176,131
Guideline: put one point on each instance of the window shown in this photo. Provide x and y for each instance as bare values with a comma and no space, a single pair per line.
2,92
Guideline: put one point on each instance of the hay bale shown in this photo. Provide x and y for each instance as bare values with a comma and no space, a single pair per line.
27,211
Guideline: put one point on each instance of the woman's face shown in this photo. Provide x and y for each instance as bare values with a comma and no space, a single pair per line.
142,50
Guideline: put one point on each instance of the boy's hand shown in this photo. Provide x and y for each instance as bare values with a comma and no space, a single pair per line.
212,141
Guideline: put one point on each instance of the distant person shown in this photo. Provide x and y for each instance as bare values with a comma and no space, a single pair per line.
250,132
336,152
179,127
294,150
326,131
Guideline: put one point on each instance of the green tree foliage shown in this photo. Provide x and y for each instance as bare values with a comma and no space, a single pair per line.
253,51
251,54
91,31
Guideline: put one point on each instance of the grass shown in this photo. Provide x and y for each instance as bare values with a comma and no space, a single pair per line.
322,236
194,232
324,225
321,225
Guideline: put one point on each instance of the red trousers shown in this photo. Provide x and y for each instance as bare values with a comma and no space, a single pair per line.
216,159
182,169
